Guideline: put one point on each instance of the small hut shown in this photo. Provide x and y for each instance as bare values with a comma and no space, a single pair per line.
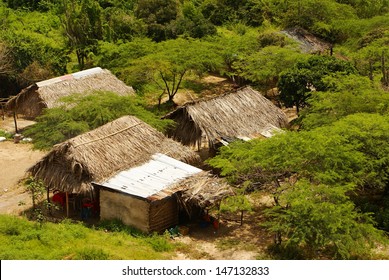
244,114
96,158
151,196
32,100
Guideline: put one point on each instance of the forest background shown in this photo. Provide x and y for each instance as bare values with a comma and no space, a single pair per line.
328,175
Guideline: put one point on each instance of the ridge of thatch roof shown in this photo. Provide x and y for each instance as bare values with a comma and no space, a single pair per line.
73,165
243,114
45,94
308,42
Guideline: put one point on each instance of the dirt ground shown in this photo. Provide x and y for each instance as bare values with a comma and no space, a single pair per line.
15,159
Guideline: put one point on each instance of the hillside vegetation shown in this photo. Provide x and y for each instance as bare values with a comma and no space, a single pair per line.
328,174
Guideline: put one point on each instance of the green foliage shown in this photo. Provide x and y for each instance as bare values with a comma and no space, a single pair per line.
160,243
235,204
5,134
118,226
34,37
347,94
352,151
122,25
296,84
157,14
265,66
91,253
171,61
24,240
83,113
192,23
322,218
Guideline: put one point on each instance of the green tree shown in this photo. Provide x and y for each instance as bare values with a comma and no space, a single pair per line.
172,61
121,24
264,66
82,22
192,23
6,63
296,84
321,219
346,95
157,14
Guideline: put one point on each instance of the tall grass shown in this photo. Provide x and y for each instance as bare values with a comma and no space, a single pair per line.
21,239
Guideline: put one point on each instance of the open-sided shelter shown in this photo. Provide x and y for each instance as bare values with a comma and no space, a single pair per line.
244,114
45,94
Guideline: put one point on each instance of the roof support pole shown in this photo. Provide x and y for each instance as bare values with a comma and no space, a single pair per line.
16,124
48,199
67,203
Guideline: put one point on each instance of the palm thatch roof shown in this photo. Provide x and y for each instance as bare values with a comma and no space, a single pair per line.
32,100
307,41
95,156
203,190
243,114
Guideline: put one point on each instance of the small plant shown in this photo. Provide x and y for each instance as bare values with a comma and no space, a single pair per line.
36,188
91,253
160,243
5,134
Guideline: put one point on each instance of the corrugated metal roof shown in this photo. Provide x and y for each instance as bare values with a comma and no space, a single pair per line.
152,177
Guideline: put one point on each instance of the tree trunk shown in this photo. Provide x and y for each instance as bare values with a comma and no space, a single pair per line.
385,80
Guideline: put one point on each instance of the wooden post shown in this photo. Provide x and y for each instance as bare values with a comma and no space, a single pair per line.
67,204
48,200
2,111
16,125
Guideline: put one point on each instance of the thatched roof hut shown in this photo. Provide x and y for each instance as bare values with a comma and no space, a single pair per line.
244,114
95,156
32,100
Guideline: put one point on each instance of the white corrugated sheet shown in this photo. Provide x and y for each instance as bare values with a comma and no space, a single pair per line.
152,177
270,130
77,75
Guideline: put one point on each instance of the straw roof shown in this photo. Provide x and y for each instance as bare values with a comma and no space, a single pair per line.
33,99
204,190
308,42
244,114
95,156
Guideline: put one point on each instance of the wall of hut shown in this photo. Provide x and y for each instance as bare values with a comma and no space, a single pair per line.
163,214
32,105
147,216
130,210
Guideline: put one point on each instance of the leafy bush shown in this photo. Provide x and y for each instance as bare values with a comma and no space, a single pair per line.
321,218
118,226
5,134
160,243
91,253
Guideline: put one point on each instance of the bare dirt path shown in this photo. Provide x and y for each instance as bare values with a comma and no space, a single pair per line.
15,159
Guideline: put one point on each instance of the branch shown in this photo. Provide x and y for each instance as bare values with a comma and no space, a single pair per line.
166,84
179,82
6,65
